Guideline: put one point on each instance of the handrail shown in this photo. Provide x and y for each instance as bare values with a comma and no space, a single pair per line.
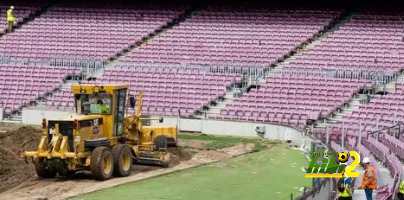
384,129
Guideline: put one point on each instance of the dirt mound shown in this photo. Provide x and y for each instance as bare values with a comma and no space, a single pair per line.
238,149
179,154
13,169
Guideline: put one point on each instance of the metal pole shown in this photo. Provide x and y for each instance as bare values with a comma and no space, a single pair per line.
343,134
395,118
328,135
360,132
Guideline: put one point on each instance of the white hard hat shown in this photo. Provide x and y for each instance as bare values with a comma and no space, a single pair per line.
366,160
12,7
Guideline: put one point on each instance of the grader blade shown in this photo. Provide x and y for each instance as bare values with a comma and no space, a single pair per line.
149,161
155,159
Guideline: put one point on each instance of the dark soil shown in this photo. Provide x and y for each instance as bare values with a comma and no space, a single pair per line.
179,154
13,169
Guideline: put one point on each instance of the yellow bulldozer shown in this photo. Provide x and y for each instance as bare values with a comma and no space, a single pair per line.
101,137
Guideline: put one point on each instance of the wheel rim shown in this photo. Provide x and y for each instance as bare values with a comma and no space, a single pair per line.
125,161
106,168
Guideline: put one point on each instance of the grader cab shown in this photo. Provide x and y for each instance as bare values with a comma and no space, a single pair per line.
101,136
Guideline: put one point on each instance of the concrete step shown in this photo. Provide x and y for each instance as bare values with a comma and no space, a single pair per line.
322,125
333,121
338,115
40,103
349,110
213,110
229,96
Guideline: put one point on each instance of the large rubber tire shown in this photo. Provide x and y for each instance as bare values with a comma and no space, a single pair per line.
102,163
123,160
42,170
161,142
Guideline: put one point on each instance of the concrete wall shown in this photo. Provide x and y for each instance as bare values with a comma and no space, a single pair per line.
32,116
1,114
234,128
208,126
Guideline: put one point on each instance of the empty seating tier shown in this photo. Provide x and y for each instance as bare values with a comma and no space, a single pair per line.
366,41
22,84
21,11
382,111
293,99
178,93
81,32
253,37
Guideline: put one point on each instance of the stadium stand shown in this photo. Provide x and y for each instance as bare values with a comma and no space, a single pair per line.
378,149
21,11
367,40
382,111
169,93
381,152
86,31
238,36
394,144
293,99
22,84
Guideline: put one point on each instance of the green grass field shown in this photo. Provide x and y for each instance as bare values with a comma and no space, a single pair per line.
273,173
220,142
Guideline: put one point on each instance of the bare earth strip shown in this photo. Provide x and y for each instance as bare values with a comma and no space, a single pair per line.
61,188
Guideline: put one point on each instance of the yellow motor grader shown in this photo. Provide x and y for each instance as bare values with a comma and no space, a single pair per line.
100,136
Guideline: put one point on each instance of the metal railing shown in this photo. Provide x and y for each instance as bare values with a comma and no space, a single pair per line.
253,73
87,66
397,125
397,131
343,73
214,68
323,191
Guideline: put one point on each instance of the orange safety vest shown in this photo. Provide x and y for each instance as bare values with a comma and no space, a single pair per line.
366,180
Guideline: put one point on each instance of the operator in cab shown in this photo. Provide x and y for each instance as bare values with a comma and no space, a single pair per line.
103,107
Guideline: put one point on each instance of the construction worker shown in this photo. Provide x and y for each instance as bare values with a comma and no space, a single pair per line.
10,19
369,179
103,107
400,194
344,187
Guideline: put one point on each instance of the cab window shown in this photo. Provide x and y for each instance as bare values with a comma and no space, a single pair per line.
94,103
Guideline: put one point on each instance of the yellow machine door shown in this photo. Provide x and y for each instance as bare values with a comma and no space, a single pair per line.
119,111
